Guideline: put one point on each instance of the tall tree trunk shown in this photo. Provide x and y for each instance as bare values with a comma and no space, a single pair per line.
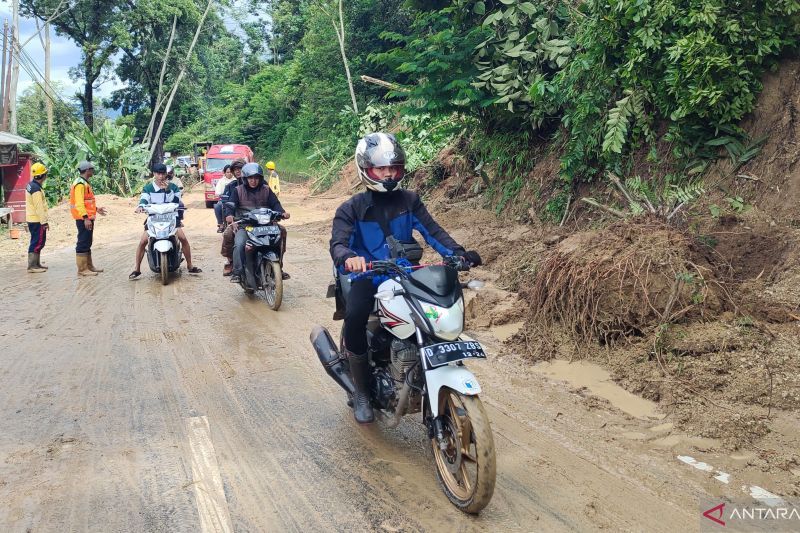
340,37
177,84
88,91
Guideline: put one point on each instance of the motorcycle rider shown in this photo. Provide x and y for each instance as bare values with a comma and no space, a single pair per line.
359,235
219,188
251,194
227,236
161,191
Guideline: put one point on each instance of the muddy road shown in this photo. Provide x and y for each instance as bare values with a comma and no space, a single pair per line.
132,406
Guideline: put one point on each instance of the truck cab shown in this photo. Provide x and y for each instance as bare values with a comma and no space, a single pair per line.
217,156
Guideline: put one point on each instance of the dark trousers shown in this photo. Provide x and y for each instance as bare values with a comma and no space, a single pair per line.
239,242
218,212
84,238
360,303
38,237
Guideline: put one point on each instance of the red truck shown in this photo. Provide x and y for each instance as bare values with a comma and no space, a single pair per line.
217,156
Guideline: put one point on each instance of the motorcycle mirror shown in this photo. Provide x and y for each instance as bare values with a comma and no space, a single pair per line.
475,284
385,296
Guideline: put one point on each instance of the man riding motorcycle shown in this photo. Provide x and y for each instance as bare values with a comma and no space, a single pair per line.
227,236
161,191
251,194
360,231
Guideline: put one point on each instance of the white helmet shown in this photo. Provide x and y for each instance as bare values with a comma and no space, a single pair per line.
379,150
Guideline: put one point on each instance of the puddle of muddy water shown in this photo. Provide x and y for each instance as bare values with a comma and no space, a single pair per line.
506,331
599,383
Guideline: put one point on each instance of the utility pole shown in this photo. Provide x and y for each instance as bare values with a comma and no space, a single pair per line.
3,75
7,84
15,71
48,96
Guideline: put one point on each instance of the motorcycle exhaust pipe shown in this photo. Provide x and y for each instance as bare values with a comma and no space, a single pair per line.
331,359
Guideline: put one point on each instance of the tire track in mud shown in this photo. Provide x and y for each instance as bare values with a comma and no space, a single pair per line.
94,434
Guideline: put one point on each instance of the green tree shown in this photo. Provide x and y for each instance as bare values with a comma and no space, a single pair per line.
32,115
96,26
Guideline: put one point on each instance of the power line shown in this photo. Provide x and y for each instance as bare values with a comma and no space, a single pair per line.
29,66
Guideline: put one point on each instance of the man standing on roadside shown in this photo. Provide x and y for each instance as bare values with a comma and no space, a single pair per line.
84,211
36,217
274,181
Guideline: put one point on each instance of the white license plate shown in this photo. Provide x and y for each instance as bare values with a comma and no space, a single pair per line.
449,352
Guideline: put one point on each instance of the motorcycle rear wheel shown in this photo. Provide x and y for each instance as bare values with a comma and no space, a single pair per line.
466,468
271,280
164,268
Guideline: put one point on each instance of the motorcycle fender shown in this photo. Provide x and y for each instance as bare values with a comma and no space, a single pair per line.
163,246
454,377
271,256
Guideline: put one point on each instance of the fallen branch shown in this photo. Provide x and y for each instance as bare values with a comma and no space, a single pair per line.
595,203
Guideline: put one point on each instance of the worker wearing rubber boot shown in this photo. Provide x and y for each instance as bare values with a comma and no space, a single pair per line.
36,217
84,211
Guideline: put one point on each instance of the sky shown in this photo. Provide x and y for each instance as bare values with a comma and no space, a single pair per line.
64,54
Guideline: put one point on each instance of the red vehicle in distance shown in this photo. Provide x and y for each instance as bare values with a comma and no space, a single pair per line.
217,156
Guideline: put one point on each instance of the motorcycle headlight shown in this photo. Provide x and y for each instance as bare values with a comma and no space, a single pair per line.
263,219
447,322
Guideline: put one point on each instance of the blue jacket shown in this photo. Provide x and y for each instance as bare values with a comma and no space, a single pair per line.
357,233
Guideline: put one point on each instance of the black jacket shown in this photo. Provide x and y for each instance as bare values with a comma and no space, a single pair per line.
357,230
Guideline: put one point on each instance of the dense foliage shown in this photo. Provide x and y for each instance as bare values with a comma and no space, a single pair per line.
606,82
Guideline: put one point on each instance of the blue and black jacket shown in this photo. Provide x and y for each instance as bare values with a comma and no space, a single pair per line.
357,230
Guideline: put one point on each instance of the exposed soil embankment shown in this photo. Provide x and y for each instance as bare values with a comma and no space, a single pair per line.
702,317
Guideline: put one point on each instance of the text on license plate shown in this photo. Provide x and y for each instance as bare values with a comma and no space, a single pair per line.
449,352
263,230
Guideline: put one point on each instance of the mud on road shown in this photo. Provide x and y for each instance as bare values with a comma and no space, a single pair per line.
132,406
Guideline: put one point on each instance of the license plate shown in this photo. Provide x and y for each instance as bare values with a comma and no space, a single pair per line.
449,352
260,231
162,218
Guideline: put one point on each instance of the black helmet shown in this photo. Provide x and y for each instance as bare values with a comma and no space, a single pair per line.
379,150
252,169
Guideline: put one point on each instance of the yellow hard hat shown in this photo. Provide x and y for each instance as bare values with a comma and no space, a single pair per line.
38,169
270,165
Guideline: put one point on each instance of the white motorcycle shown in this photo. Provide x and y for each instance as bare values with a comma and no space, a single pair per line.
163,247
417,355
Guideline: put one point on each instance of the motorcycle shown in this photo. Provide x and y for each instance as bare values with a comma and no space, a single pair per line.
262,266
417,355
163,247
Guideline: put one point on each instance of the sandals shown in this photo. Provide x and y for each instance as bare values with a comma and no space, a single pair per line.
194,270
227,269
286,276
134,275
220,229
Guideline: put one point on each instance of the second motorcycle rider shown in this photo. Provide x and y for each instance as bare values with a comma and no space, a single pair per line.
251,194
360,230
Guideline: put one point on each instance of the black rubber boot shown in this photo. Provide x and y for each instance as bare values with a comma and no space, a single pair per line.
360,371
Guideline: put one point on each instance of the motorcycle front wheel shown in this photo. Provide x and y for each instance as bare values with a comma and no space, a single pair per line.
466,467
164,268
271,281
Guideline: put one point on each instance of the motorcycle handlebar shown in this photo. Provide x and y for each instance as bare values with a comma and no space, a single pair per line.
377,268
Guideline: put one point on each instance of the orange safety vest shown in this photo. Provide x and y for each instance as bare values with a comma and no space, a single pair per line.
88,200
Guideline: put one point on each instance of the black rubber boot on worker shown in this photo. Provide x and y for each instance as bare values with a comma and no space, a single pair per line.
33,264
360,371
